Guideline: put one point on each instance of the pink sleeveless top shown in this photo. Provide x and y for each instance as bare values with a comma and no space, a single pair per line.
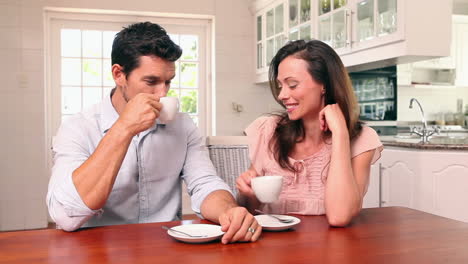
304,191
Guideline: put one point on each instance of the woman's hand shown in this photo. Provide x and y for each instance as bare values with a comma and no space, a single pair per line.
331,118
243,182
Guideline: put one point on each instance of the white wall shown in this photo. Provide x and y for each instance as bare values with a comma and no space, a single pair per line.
235,69
23,175
22,157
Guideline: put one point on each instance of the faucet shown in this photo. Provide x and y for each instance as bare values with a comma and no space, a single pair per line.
424,133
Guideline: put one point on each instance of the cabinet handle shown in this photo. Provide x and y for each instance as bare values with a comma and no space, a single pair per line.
261,56
349,20
381,168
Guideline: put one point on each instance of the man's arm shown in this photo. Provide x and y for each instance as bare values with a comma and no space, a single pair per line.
81,181
80,185
211,196
71,147
95,178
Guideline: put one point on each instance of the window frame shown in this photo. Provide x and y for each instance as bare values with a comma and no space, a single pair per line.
53,17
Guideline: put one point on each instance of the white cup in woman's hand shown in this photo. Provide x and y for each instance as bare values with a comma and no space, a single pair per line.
267,188
169,109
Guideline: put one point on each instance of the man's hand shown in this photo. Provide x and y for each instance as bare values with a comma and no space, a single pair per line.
140,113
239,225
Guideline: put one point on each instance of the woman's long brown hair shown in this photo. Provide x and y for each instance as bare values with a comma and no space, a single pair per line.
326,68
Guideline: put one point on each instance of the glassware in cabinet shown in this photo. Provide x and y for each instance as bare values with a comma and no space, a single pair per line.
305,10
293,13
339,29
387,17
365,20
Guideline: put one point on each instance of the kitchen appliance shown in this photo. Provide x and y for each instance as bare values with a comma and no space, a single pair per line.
376,91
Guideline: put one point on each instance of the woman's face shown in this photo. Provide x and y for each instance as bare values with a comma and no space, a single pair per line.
302,96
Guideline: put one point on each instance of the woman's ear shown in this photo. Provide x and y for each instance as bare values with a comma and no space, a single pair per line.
323,97
118,75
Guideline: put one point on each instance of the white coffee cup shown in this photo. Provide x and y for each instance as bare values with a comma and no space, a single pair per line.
267,188
169,109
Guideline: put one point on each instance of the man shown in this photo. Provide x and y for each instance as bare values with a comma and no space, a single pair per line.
116,164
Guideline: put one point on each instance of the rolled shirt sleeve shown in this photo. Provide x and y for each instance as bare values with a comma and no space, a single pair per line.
198,172
65,205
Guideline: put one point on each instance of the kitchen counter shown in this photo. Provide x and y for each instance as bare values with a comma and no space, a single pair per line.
436,143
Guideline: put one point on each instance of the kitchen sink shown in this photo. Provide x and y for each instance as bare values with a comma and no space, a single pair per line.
407,136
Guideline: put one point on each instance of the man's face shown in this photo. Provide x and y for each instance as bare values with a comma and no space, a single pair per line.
153,76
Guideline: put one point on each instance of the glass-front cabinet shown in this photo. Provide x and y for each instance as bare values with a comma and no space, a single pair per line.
299,26
377,21
360,31
276,23
333,23
259,43
345,25
350,25
270,34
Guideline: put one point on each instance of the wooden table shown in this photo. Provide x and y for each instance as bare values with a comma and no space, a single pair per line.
379,235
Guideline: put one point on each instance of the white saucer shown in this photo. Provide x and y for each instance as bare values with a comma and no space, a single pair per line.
272,224
212,232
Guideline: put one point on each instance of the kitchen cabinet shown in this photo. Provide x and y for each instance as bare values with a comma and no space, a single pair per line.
387,32
270,34
461,53
333,23
299,19
392,180
372,197
398,178
447,62
365,33
431,181
353,25
446,184
444,71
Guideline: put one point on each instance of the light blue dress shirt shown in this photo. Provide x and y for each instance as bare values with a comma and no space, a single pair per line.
148,185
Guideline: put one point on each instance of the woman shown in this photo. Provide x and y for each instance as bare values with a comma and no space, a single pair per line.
318,145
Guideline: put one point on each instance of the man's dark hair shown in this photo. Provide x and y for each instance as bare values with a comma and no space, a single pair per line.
142,39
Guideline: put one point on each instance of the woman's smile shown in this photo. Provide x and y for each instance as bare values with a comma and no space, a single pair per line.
291,106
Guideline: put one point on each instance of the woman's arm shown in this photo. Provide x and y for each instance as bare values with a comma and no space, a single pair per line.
346,183
348,178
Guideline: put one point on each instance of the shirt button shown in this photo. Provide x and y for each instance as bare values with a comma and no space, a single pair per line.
143,198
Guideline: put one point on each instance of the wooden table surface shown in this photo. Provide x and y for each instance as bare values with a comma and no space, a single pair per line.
378,235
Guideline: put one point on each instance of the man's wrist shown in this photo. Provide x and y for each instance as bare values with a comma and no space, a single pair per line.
121,129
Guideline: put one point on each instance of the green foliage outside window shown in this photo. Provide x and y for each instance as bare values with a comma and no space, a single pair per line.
189,102
172,93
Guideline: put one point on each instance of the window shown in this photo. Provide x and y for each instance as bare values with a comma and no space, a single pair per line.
79,67
85,67
185,85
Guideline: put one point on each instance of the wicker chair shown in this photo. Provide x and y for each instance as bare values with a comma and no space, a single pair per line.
230,156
